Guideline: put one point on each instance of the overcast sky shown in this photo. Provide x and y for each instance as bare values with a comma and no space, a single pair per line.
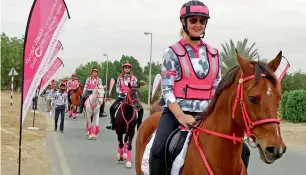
116,27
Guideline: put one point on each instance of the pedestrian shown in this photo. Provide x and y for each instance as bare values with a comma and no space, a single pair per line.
50,94
61,106
35,99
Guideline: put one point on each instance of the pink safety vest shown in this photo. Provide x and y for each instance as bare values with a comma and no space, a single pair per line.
190,86
92,83
73,84
124,88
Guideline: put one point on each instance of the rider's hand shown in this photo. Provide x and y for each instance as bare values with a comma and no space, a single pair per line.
186,120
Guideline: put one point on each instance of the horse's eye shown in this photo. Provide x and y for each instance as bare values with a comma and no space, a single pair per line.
253,100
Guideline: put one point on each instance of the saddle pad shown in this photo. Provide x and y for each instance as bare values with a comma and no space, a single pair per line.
146,156
178,162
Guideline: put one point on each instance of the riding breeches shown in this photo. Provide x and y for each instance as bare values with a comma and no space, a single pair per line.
84,97
113,108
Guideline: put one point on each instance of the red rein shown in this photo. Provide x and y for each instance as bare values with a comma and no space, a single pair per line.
129,102
247,121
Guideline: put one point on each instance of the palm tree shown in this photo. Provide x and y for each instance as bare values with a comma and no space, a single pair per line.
228,54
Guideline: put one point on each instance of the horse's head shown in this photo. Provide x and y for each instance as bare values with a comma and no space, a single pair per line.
133,97
99,93
254,94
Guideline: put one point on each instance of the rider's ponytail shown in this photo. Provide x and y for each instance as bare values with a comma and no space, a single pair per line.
182,33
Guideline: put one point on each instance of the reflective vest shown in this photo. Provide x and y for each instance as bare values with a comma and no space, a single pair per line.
124,88
93,82
73,84
190,86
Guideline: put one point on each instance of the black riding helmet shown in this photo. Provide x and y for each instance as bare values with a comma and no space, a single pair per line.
193,8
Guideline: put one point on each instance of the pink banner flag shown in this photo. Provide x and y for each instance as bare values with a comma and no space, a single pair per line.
111,85
57,48
282,69
156,85
44,25
50,74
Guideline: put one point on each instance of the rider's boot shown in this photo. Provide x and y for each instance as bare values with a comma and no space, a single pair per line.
112,125
82,105
245,155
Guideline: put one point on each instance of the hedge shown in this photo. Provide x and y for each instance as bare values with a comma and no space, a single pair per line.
283,103
293,106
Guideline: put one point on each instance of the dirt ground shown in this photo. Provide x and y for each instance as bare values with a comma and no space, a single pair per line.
34,154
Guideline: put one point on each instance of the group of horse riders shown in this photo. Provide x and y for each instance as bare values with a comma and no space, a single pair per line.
122,89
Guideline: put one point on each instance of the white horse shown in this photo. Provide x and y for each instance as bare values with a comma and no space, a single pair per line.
91,111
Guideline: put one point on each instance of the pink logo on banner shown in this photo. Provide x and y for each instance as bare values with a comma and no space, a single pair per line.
111,85
50,73
44,20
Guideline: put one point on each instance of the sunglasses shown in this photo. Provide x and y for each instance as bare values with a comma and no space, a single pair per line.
126,67
195,20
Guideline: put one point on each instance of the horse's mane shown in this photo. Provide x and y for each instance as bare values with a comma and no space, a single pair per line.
229,78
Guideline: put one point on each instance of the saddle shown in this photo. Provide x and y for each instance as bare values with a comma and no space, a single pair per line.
174,146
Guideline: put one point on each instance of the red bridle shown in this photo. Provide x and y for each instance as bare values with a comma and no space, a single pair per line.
93,106
249,124
129,101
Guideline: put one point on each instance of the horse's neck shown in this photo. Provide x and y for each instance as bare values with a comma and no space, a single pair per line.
93,99
127,109
220,121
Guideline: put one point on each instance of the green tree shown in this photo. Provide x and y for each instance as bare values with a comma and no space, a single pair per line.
228,53
11,56
136,70
83,71
155,69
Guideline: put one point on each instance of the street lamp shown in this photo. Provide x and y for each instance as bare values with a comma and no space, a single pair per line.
149,92
106,73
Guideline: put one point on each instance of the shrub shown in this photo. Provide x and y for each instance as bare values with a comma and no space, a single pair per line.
295,107
144,94
283,103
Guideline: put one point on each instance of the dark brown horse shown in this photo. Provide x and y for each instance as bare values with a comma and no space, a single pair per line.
245,102
125,123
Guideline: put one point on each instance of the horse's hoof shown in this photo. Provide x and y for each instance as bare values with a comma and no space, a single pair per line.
128,165
124,156
90,137
119,158
95,137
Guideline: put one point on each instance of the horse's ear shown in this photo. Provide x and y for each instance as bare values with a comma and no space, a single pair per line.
245,65
273,64
138,86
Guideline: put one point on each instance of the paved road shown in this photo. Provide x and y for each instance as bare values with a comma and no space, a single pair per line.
73,154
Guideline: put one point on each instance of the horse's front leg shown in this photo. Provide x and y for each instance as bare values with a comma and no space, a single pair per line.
120,147
74,107
125,146
129,149
96,120
89,124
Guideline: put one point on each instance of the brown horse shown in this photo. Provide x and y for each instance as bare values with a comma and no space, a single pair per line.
75,101
245,102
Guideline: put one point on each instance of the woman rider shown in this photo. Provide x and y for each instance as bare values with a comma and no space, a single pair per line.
91,83
189,67
122,89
